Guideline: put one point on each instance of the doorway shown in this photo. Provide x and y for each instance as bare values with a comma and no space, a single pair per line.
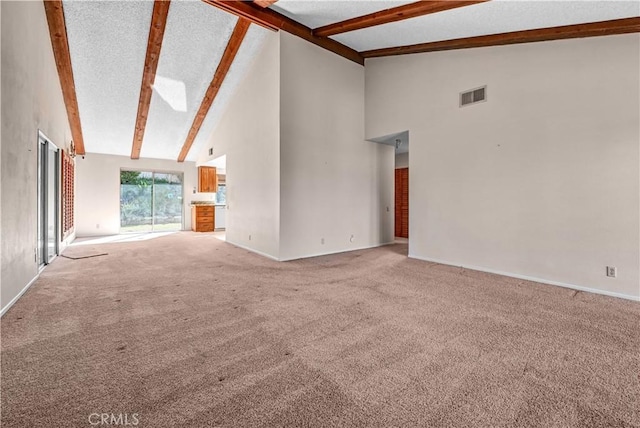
150,201
48,200
400,141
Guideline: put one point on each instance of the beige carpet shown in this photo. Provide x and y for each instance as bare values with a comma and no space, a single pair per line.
187,330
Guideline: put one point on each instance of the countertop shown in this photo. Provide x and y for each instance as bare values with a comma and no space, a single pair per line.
201,203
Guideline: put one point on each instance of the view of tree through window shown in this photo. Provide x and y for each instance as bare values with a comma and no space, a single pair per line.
150,201
221,195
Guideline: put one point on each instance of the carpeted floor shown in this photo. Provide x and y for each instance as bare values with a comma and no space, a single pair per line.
186,330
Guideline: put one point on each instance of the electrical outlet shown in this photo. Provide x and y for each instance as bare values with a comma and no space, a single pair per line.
322,241
352,239
612,272
97,226
249,237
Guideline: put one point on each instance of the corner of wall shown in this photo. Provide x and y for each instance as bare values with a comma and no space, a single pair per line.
332,194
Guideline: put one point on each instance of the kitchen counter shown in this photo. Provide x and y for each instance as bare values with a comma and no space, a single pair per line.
208,203
219,215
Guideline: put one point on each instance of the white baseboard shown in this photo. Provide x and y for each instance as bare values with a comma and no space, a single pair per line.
532,279
328,253
15,299
269,256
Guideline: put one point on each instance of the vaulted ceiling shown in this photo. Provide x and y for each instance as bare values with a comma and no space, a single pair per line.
108,43
152,79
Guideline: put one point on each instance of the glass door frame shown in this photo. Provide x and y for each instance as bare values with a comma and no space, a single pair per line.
153,173
45,148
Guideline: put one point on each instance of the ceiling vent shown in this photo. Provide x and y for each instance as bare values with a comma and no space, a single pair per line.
473,96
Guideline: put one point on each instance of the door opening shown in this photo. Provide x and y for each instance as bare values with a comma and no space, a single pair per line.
48,200
400,142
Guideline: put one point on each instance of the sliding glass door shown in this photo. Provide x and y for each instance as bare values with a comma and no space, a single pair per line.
150,201
167,201
48,200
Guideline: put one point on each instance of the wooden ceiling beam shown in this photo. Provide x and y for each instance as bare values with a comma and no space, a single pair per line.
60,44
264,3
272,20
411,10
228,56
154,45
593,29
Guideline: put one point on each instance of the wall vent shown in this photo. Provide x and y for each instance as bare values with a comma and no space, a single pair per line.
473,96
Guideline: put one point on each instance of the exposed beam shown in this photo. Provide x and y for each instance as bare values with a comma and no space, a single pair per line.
594,29
264,3
393,14
272,20
154,44
223,67
60,44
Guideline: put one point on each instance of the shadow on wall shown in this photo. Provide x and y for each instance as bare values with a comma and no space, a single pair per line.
399,139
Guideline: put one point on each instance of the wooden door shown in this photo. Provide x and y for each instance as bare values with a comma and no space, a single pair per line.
402,202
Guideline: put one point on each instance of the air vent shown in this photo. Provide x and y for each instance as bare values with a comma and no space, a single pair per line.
473,96
211,151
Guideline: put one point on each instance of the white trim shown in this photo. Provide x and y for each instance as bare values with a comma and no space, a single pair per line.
308,256
15,299
269,256
532,279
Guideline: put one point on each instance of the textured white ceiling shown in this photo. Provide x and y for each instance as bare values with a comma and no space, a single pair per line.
317,13
194,40
497,16
246,55
108,43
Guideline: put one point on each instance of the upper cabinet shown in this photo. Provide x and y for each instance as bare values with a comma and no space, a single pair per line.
207,179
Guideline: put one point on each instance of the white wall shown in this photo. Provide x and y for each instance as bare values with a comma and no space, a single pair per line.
249,135
333,183
98,190
542,180
31,101
402,160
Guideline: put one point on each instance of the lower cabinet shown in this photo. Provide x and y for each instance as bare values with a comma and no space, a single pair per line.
202,218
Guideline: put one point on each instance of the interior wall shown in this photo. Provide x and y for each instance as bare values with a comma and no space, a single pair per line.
31,101
542,181
402,160
249,135
336,189
98,190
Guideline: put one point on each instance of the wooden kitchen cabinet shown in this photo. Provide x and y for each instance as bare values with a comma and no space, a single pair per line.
207,179
203,218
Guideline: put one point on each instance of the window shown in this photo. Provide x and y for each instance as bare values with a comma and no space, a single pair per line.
221,194
150,201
